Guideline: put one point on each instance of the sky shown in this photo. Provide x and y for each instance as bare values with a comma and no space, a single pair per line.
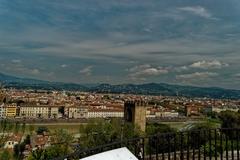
186,42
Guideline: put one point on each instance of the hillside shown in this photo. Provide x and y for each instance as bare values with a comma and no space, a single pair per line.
146,89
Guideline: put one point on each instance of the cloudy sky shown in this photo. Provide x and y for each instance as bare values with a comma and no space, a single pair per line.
190,42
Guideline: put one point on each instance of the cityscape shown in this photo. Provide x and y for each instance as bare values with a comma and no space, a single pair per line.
40,114
119,80
53,105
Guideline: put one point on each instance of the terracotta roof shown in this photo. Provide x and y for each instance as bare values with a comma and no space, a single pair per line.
15,138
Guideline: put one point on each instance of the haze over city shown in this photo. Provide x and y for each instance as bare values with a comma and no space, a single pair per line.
181,42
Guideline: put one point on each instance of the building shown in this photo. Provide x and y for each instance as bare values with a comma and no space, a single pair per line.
2,111
105,113
167,114
53,112
135,112
75,112
11,110
219,109
41,142
39,111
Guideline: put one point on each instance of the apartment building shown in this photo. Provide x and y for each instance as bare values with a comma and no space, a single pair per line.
77,112
220,109
2,111
167,114
11,110
39,111
105,113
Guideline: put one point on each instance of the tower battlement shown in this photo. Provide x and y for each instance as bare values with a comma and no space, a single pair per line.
136,103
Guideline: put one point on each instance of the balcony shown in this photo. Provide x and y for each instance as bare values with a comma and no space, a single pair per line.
217,144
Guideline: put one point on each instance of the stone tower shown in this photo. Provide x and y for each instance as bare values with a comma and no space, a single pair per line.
135,112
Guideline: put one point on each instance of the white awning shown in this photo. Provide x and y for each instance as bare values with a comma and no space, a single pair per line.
116,154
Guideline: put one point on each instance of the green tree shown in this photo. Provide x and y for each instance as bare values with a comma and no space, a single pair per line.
18,150
23,128
4,127
94,133
100,132
160,140
156,128
41,130
38,154
62,141
131,131
17,127
31,129
27,139
9,127
230,119
5,155
62,137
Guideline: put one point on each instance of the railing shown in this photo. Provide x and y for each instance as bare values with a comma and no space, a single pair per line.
214,144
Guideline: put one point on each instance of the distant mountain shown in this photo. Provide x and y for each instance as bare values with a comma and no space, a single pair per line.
168,90
27,83
146,89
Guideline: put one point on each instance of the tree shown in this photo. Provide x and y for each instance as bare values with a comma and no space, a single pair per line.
17,127
160,140
61,146
38,154
156,128
201,130
27,140
5,155
23,128
203,126
18,150
131,131
61,136
96,133
41,130
230,119
99,132
9,126
31,129
4,128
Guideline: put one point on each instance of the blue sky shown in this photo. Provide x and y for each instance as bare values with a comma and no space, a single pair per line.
190,42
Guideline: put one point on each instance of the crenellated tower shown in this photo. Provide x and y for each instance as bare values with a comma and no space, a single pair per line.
135,112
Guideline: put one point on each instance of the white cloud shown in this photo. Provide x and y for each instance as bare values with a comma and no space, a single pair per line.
205,65
63,65
208,64
35,71
197,10
86,71
181,68
138,68
141,72
16,61
197,75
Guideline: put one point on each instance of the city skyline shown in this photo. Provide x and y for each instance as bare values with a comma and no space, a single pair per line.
188,43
